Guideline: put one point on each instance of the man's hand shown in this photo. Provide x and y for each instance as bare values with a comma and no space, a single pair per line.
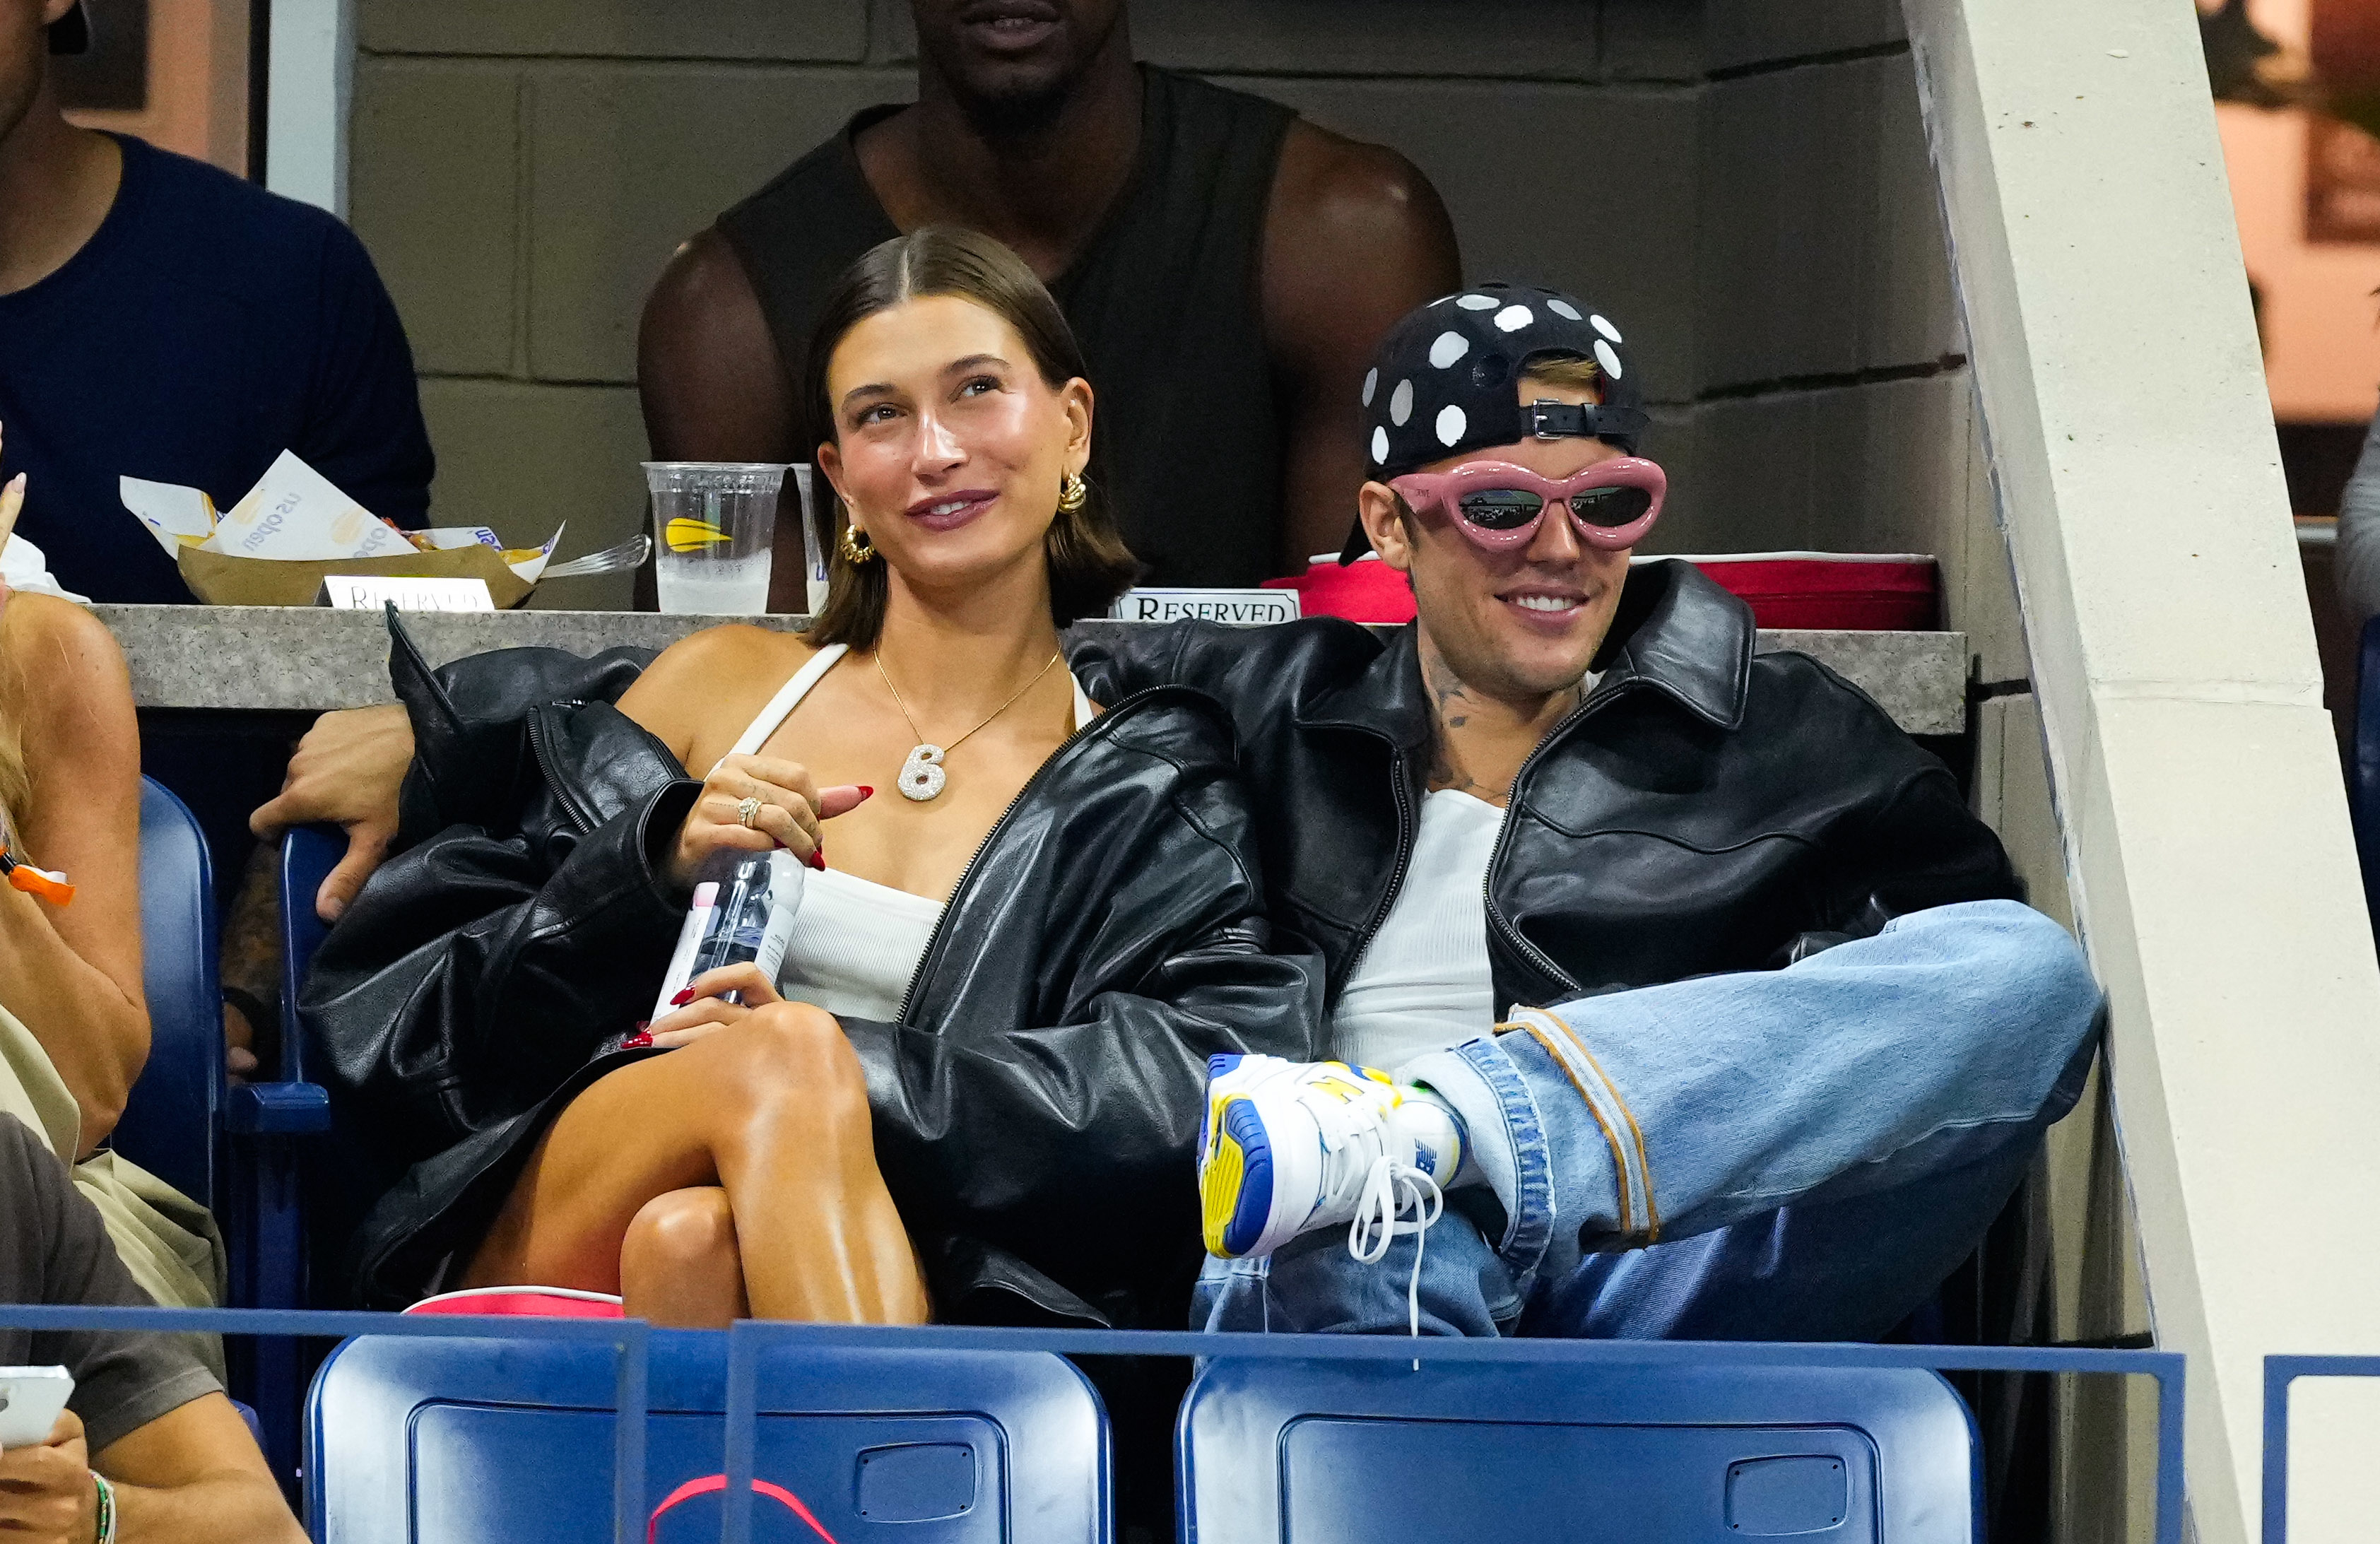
46,1492
346,771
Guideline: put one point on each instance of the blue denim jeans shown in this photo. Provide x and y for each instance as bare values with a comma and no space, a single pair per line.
1798,1154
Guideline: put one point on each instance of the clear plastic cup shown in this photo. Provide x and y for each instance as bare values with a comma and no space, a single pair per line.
813,556
714,525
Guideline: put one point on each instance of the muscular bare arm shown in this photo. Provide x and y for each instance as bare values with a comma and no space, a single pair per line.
1355,237
193,1475
715,388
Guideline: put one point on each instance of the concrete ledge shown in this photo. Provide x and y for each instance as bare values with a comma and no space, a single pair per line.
306,659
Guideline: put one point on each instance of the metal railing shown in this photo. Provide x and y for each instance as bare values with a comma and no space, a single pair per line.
2280,1372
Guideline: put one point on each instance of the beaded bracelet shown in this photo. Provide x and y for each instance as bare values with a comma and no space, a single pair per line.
106,1533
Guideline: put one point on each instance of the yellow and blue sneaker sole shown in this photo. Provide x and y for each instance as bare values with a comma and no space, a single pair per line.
1236,1189
1235,1169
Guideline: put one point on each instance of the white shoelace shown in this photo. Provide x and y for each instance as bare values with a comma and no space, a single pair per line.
1388,1188
1384,1188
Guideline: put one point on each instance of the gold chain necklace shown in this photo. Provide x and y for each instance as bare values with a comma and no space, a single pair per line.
921,776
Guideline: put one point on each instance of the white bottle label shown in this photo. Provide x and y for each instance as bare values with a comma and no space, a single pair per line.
785,879
689,938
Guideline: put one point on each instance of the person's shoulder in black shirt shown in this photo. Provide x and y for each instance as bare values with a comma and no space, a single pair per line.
202,327
144,1413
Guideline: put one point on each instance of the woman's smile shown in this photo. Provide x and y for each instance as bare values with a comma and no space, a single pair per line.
950,511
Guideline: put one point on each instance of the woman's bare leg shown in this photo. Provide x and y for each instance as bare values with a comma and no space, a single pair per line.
679,1266
773,1111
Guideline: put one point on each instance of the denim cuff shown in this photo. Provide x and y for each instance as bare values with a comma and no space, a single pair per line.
1507,1139
1606,1177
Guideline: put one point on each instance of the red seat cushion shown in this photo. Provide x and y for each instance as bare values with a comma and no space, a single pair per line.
1366,590
524,1302
1886,592
1856,592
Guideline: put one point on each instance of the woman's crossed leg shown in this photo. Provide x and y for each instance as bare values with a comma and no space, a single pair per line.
769,1114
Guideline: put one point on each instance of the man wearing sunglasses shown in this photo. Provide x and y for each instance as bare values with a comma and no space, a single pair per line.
1674,983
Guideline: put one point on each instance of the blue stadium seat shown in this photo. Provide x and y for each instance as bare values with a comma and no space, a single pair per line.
413,1440
230,1148
341,1179
278,1131
1307,1452
173,1121
307,856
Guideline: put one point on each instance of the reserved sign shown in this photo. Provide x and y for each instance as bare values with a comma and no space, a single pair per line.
1246,608
361,593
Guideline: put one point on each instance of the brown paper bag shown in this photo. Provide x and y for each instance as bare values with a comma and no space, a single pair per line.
222,579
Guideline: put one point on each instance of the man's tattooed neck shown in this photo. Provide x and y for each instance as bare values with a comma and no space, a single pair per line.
1454,705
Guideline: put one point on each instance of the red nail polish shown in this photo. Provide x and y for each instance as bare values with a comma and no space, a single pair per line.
682,998
638,1042
865,792
817,857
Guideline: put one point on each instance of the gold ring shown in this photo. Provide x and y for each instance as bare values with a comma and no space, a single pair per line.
746,811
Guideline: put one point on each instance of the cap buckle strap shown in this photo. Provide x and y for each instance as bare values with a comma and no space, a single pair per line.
1555,421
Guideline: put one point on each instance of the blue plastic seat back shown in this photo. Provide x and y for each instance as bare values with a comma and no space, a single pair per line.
341,1175
1290,1452
173,1121
307,856
435,1440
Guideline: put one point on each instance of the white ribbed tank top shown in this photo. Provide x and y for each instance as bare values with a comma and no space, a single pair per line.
856,944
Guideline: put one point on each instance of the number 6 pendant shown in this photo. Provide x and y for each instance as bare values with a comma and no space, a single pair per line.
921,776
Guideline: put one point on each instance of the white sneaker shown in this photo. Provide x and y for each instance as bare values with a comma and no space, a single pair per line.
1289,1146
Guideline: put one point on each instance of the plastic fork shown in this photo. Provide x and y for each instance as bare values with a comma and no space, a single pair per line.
630,554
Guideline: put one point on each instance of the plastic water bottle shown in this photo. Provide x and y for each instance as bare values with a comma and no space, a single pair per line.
743,909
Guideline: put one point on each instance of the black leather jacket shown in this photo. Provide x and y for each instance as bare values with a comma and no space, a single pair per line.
1037,1098
1704,810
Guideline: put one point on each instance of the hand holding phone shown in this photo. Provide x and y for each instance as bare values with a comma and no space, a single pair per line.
31,1401
48,1494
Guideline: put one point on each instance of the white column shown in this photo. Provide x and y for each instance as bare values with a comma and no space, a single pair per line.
309,86
2199,795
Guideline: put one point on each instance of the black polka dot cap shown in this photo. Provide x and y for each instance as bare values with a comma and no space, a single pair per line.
1442,382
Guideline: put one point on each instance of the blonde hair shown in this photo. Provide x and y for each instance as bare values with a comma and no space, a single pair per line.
1575,372
16,780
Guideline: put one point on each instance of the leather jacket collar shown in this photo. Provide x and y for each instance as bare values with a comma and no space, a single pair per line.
1681,634
1676,632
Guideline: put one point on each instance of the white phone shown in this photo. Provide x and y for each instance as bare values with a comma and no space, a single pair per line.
31,1398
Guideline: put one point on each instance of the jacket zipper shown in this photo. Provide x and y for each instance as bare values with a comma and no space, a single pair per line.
1406,825
1496,919
934,940
570,805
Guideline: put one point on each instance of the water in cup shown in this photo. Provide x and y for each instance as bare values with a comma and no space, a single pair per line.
713,526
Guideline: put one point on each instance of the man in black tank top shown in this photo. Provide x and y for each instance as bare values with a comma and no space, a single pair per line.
1227,267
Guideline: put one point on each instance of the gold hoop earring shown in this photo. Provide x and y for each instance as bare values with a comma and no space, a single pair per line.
853,552
1072,493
